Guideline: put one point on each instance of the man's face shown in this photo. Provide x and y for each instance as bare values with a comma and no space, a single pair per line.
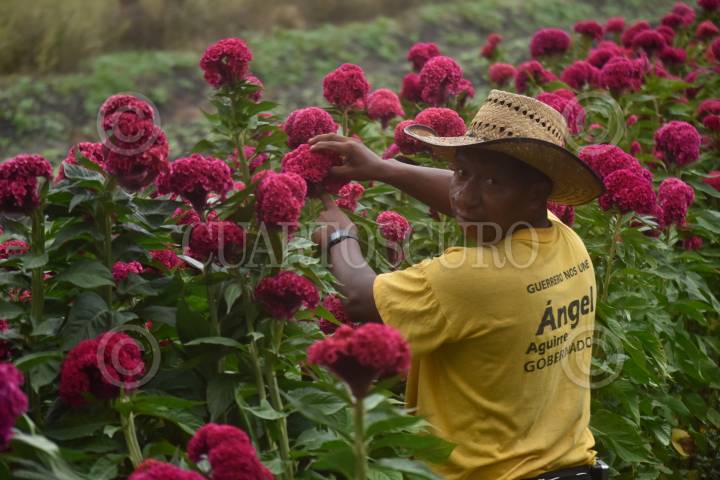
490,193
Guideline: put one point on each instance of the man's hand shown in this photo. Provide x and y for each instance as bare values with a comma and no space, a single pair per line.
360,163
331,219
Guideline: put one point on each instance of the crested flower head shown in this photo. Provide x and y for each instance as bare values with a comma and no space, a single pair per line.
709,5
672,55
283,294
501,73
615,24
384,105
225,62
334,305
13,247
349,195
156,470
620,74
605,159
305,123
195,177
279,198
229,452
674,197
706,30
445,121
420,53
346,86
257,95
677,142
685,11
122,270
566,103
629,34
579,74
314,167
18,182
549,41
589,28
565,213
650,41
166,258
393,226
439,79
490,48
411,88
598,57
532,72
13,401
223,240
405,143
628,191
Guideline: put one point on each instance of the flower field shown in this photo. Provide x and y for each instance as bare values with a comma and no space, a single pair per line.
165,314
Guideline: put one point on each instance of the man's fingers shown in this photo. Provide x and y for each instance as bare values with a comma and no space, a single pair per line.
342,172
332,137
328,201
333,146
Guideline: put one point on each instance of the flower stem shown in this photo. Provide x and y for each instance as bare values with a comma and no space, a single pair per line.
276,399
259,379
106,226
611,257
345,123
37,248
360,451
128,428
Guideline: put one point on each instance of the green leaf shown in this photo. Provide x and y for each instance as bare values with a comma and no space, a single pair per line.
223,341
10,311
34,261
232,293
77,172
26,362
87,274
89,317
191,324
220,395
407,466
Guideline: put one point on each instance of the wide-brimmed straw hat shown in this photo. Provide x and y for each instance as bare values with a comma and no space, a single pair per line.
528,130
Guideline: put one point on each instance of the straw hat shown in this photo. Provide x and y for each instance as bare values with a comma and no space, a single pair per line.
526,129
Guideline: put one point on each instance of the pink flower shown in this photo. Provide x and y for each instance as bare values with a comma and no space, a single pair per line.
405,143
362,355
674,197
565,213
708,107
667,33
531,72
279,198
465,91
121,270
384,105
627,191
420,53
650,41
13,401
12,247
615,24
631,120
283,294
685,11
635,147
620,74
18,182
121,105
589,28
167,258
314,167
349,195
229,452
579,74
709,5
692,243
393,226
346,86
89,150
706,30
672,20
501,73
439,79
490,48
445,121
156,470
252,79
195,177
677,143
411,88
256,160
568,106
223,240
305,123
334,305
598,57
629,34
712,122
99,367
226,62
713,179
549,41
390,152
605,159
673,55
210,436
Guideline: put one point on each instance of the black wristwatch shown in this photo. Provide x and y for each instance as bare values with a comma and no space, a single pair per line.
338,236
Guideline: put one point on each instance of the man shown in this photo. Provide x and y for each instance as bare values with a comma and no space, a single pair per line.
501,330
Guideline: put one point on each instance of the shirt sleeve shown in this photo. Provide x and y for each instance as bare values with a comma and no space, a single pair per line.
405,301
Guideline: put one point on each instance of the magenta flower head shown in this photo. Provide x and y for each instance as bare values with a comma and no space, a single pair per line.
706,30
590,29
439,79
566,103
708,107
712,123
620,74
405,143
411,89
445,121
634,29
229,452
685,11
279,198
195,177
122,270
465,91
549,41
362,355
580,73
156,470
672,20
501,73
166,258
490,48
226,62
674,198
89,150
119,106
709,5
13,247
605,159
349,195
627,191
314,167
13,401
18,182
677,143
393,226
420,53
650,41
390,152
223,240
282,295
565,213
672,55
305,123
530,73
257,95
346,86
615,24
136,164
384,105
334,305
599,56
99,367
692,243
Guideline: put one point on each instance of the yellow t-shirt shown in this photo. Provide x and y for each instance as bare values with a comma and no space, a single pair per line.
501,340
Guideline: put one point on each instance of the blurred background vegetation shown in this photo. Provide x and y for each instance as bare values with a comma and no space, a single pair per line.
60,59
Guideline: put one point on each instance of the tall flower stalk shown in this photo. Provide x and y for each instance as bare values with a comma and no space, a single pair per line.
360,448
38,249
609,261
271,354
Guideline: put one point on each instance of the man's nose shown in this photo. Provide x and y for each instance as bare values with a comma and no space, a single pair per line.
466,196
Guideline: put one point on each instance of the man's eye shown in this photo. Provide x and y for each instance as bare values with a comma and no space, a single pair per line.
460,172
490,181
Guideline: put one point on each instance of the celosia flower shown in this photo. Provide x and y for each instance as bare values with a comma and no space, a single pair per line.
393,226
667,33
411,88
692,243
589,28
226,62
305,123
13,247
615,24
635,147
349,195
672,20
627,191
501,73
439,79
565,213
713,179
706,30
531,72
420,53
650,41
685,11
222,239
99,367
568,106
256,160
549,41
122,105
579,74
334,305
677,143
195,177
229,452
155,470
279,198
390,152
634,29
405,143
605,159
490,48
314,167
709,5
167,258
619,74
465,91
257,95
362,355
18,182
283,294
89,150
121,270
13,401
708,107
673,55
346,86
674,197
445,121
598,57
384,105
712,122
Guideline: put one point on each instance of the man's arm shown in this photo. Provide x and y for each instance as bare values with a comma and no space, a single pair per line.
429,185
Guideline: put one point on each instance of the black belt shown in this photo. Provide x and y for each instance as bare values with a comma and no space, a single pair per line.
581,473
